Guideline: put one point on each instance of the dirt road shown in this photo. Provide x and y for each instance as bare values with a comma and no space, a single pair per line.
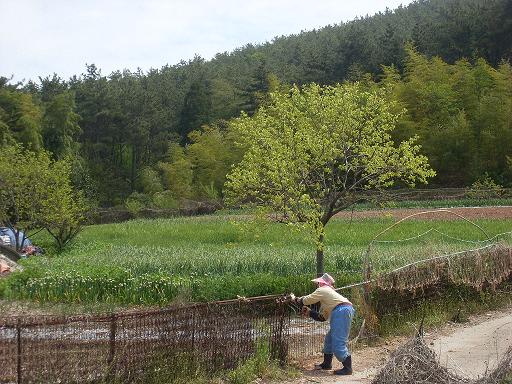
470,213
474,348
470,349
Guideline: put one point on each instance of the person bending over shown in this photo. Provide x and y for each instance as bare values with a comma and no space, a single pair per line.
339,311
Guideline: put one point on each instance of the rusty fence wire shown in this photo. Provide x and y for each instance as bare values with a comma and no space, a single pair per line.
124,347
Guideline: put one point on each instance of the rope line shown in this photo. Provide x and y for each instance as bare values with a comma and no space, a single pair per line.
423,213
406,239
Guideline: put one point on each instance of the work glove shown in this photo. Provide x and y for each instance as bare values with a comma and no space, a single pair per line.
293,299
305,311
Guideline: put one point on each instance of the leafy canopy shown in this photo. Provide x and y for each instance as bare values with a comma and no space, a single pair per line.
312,152
36,193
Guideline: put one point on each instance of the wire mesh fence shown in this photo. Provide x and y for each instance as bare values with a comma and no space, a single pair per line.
124,347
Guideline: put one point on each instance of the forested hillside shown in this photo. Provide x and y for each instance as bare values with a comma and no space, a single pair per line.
155,138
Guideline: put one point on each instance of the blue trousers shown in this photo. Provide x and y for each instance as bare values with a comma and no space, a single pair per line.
336,339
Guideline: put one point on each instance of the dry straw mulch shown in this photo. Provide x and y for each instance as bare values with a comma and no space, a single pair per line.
415,363
474,268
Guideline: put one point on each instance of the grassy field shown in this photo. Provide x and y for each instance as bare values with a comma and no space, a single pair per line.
219,257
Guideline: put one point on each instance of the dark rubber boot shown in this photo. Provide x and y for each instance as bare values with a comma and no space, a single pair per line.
347,367
327,363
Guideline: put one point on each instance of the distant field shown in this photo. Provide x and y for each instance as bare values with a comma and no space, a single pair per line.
218,257
442,203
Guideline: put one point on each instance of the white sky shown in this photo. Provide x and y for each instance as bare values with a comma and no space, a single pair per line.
40,37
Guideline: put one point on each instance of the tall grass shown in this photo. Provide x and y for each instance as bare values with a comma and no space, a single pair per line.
213,257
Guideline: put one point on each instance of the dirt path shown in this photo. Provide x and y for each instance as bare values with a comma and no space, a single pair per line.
476,347
470,349
470,213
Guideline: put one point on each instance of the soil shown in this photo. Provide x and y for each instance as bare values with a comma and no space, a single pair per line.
470,349
503,212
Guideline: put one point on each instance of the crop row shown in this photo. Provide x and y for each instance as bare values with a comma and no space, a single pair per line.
209,258
151,288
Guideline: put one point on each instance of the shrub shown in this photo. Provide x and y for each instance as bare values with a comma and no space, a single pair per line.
165,200
484,188
137,201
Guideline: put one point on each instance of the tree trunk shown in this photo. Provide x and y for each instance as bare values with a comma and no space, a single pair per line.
320,256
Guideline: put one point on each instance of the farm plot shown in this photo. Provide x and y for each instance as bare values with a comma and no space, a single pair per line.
214,258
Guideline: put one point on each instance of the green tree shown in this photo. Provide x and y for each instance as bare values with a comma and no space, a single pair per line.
6,137
22,189
62,210
60,125
177,172
258,87
197,103
22,117
50,87
313,152
150,181
212,154
102,142
460,112
492,123
36,192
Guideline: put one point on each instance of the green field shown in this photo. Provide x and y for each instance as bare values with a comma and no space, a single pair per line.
219,257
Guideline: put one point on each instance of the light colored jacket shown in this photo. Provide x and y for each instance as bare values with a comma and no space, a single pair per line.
328,299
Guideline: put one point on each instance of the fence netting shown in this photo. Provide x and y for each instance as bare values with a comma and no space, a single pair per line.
124,347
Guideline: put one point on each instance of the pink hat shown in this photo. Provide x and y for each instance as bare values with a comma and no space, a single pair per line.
324,279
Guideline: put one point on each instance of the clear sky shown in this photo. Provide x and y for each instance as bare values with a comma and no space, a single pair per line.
42,37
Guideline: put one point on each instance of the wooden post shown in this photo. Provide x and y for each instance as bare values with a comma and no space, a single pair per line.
18,357
320,256
112,344
283,350
279,341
